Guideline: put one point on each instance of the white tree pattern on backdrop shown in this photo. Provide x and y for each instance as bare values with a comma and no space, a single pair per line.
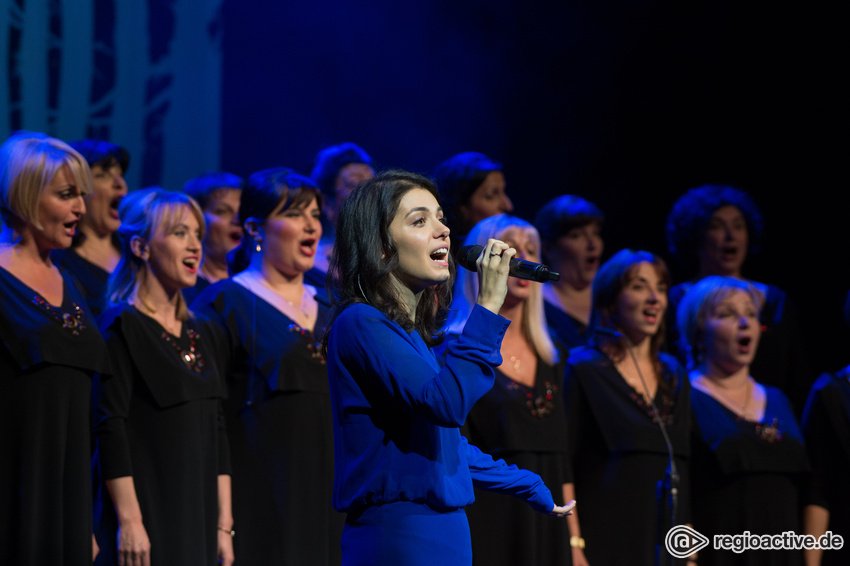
145,74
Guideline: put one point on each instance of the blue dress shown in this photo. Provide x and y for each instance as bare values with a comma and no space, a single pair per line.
781,359
280,428
746,476
403,470
568,331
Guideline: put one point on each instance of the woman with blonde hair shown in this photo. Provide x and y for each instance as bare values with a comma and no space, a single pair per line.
50,350
521,419
95,253
748,460
162,450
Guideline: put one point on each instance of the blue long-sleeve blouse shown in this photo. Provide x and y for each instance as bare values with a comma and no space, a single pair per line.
397,415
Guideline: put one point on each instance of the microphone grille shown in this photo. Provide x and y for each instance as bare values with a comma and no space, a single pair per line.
468,255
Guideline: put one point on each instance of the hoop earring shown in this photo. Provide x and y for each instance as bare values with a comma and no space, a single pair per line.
361,289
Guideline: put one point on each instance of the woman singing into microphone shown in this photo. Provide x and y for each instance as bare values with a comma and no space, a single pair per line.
616,445
403,471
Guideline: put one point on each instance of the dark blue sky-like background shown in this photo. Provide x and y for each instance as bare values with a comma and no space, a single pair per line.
627,103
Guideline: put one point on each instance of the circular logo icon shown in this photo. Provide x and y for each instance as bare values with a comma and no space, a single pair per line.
682,541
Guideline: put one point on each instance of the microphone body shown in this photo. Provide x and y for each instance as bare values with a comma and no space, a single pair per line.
521,269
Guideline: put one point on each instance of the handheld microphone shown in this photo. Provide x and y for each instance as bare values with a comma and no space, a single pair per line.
521,269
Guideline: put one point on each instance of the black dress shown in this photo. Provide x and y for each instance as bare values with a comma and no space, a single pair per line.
619,455
780,361
47,360
91,279
525,426
746,477
568,331
281,432
826,428
190,294
159,420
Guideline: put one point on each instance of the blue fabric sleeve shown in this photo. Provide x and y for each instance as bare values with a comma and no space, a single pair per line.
390,361
496,475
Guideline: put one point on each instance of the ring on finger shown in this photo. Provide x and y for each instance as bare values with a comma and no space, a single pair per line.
495,254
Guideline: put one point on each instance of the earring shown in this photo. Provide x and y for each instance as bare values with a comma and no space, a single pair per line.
259,248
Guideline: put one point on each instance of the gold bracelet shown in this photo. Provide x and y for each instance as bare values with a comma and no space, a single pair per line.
231,532
577,542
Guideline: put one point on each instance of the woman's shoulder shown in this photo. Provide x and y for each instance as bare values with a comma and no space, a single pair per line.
777,398
221,294
358,313
226,287
832,380
676,292
585,355
115,313
670,363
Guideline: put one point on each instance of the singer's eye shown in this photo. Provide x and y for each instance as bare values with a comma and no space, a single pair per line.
419,221
443,220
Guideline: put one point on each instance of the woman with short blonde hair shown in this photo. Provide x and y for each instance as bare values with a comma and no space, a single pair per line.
50,350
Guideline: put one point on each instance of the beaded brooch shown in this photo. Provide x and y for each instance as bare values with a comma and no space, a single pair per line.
314,348
191,357
769,433
541,405
665,407
72,321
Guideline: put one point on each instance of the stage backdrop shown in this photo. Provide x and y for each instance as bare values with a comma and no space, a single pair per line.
145,74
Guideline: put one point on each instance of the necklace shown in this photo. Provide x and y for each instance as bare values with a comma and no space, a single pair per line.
72,321
302,305
517,365
257,284
191,357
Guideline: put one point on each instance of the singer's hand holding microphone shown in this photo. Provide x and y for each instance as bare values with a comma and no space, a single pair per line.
492,263
496,259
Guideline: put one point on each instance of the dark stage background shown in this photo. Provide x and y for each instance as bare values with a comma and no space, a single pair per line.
625,103
628,103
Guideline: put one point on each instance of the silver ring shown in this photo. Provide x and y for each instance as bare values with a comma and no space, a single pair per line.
494,254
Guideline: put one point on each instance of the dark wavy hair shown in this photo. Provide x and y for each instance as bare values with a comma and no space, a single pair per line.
458,177
204,185
102,153
562,214
330,160
689,219
610,280
263,192
365,257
